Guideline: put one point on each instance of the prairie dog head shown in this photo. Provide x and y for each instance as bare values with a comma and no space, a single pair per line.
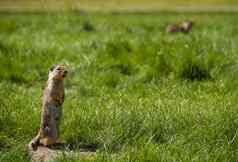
186,26
58,72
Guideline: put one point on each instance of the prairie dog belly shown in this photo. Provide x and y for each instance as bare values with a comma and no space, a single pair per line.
55,112
52,129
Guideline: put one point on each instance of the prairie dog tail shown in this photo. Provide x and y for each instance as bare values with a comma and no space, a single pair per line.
34,143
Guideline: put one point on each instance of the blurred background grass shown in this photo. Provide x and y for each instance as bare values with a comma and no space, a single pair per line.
112,5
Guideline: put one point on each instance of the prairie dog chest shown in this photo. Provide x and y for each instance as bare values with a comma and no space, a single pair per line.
55,92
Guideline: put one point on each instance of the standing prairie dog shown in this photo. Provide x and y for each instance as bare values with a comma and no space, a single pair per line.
53,99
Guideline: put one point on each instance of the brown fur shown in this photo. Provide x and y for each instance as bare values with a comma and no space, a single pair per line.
183,27
186,26
53,99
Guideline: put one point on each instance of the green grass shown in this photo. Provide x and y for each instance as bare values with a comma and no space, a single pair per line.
134,91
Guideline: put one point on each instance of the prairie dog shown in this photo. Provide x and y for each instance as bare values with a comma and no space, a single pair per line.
53,99
184,27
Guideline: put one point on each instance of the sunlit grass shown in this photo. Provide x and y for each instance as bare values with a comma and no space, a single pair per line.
133,91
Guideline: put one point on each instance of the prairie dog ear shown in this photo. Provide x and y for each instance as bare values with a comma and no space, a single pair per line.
52,68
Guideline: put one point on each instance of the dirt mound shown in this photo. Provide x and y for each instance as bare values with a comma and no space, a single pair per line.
46,154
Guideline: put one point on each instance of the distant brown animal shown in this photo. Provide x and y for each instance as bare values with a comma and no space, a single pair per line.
53,99
183,27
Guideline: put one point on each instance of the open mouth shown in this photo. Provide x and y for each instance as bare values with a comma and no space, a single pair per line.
64,74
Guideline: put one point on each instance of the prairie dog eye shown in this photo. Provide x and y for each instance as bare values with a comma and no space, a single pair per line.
52,68
58,69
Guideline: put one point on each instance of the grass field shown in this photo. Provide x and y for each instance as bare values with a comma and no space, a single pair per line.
133,91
